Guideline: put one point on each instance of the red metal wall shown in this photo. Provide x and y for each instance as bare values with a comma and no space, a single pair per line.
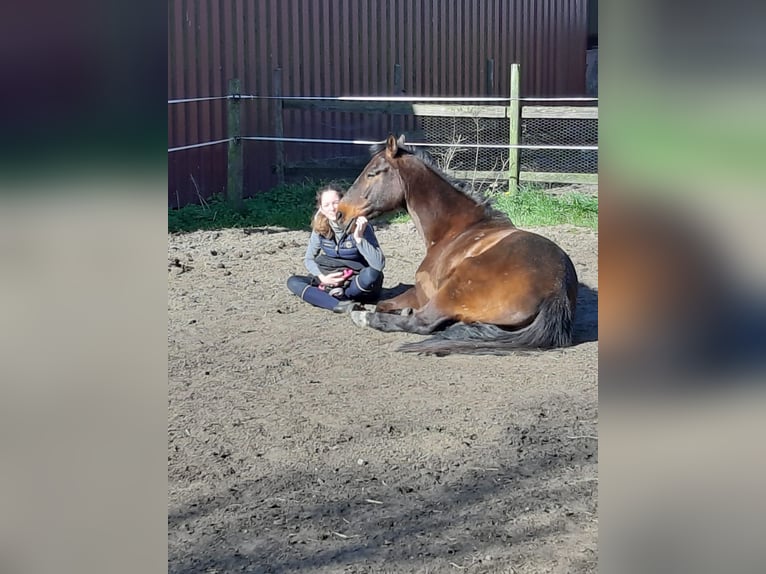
347,47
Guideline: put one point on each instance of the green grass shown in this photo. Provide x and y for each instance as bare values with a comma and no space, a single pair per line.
291,206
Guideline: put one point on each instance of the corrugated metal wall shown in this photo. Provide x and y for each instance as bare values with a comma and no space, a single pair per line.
348,47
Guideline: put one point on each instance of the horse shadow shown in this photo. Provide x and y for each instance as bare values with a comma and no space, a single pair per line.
388,293
586,315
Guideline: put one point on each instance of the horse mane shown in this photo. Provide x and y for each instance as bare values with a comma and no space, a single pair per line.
464,187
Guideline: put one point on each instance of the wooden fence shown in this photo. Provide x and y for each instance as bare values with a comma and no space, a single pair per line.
513,113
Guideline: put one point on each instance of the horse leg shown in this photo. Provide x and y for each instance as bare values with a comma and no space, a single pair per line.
423,321
402,304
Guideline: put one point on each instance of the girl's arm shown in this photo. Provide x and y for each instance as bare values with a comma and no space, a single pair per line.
370,249
312,251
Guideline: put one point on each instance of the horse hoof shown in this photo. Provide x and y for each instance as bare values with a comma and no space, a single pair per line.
359,318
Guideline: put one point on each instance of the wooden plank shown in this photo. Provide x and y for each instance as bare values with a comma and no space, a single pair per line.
439,110
459,111
550,177
562,112
470,175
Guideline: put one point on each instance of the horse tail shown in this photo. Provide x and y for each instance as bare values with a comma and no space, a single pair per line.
551,328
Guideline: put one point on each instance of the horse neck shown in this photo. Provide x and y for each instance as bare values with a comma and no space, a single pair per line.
437,208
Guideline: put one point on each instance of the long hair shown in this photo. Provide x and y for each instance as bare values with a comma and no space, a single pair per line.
319,221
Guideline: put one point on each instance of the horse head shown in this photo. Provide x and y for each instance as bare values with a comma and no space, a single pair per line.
378,189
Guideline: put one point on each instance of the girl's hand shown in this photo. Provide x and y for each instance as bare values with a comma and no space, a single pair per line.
333,279
361,224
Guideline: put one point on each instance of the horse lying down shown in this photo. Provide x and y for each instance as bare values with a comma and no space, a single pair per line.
484,286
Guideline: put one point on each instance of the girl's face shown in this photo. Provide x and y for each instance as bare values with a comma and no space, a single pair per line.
328,204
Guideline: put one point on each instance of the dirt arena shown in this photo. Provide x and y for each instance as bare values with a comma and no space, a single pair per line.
298,442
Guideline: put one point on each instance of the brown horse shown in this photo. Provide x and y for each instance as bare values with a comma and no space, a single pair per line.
484,286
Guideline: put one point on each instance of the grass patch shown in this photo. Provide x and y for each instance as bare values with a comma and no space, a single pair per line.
292,205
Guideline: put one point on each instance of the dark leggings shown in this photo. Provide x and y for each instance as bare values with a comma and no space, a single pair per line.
364,287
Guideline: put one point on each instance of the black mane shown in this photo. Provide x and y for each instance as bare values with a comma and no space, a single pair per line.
464,187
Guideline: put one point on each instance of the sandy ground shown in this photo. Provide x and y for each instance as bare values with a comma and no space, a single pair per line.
298,442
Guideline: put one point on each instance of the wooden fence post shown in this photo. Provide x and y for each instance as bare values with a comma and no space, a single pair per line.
514,125
234,175
279,126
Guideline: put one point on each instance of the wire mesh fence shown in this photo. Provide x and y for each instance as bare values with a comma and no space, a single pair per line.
488,166
461,131
559,132
474,148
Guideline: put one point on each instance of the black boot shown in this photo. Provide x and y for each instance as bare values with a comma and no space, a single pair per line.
347,306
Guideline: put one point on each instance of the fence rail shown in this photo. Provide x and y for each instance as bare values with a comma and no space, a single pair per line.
484,141
442,121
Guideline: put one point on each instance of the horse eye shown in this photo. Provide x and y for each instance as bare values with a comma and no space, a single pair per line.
377,171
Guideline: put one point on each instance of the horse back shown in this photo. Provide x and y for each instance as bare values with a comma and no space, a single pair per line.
496,274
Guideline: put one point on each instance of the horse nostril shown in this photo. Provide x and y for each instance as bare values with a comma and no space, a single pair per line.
339,216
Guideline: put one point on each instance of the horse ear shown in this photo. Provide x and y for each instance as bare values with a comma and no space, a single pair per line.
391,147
400,141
